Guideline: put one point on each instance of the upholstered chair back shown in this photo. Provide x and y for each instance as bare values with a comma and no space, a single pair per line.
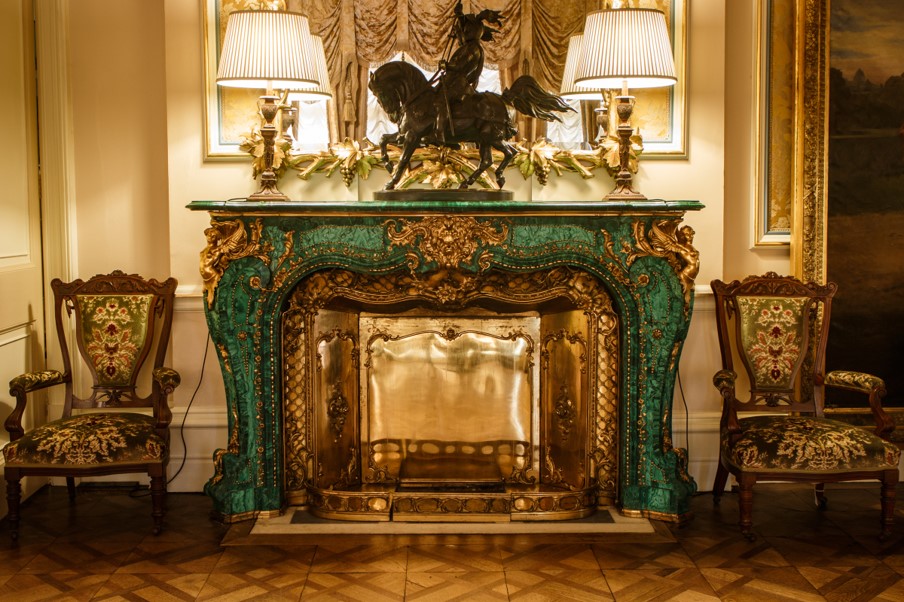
776,330
118,323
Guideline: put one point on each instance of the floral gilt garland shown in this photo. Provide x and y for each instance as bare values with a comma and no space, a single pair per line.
440,167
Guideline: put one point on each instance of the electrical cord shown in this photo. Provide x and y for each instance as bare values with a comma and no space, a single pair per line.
140,491
187,408
687,423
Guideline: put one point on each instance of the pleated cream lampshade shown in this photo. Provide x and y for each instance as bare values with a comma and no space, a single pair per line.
626,48
267,49
322,90
568,88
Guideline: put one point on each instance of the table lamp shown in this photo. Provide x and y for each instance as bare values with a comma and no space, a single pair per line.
625,48
570,90
272,50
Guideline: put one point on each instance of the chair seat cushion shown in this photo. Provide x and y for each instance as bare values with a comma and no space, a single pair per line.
88,440
807,444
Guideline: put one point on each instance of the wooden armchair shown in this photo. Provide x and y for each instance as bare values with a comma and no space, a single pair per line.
118,320
777,328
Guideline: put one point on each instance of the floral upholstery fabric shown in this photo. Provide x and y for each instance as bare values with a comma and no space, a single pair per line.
802,443
88,439
31,381
771,338
114,331
855,381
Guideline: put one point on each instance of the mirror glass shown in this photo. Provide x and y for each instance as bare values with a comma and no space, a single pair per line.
360,35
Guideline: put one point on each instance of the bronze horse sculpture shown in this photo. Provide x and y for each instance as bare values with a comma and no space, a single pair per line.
447,110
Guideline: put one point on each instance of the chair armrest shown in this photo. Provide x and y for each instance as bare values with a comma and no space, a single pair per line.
166,381
167,378
873,387
855,381
32,381
20,387
724,380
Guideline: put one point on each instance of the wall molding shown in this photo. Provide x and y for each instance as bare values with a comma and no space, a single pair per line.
57,137
19,332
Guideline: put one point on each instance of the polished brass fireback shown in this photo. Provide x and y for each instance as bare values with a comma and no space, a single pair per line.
449,402
403,406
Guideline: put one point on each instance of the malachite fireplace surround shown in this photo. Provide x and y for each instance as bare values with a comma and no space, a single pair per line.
261,257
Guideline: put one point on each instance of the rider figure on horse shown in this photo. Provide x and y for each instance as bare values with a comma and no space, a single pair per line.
458,75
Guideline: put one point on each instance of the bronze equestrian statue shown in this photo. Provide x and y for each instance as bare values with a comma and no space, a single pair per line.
447,109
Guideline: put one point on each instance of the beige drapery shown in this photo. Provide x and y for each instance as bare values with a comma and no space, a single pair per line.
358,34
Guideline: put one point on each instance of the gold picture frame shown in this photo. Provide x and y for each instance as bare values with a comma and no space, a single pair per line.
847,212
808,235
775,123
229,115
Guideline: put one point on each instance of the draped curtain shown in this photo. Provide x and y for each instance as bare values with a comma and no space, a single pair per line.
360,34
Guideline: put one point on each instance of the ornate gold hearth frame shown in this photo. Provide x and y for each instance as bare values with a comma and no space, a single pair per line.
568,472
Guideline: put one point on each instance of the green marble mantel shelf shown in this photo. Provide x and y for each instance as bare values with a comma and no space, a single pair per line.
258,253
439,206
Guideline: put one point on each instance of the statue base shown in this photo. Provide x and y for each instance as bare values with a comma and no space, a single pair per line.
443,195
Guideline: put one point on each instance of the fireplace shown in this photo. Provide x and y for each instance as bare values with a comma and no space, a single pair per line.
482,404
416,361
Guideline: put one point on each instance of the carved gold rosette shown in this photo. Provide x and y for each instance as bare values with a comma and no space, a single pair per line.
449,241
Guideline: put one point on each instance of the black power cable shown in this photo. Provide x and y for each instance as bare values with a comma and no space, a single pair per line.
140,491
187,408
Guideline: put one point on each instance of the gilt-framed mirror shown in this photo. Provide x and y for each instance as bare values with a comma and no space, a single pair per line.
359,35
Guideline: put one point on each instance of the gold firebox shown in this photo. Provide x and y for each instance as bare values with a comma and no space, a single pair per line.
492,405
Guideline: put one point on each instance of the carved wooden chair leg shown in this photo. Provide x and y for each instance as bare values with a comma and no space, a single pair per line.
719,483
745,503
889,484
158,502
70,488
13,496
822,502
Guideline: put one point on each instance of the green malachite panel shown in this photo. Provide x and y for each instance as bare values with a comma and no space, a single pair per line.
638,250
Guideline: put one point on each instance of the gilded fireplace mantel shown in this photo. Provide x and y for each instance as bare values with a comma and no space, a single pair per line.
441,251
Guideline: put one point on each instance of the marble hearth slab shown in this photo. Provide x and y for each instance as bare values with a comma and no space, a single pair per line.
301,522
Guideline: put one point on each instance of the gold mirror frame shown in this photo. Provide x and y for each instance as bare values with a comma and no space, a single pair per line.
444,167
775,70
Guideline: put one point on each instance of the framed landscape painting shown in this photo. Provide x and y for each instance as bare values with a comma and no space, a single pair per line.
850,204
865,208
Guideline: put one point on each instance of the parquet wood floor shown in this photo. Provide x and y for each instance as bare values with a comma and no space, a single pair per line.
101,548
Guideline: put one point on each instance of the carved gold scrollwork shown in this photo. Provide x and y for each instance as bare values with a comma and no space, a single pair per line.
523,475
575,338
337,411
585,291
554,473
348,475
565,412
666,239
450,241
226,242
378,474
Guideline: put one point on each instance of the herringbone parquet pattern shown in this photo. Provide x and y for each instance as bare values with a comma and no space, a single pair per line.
101,548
